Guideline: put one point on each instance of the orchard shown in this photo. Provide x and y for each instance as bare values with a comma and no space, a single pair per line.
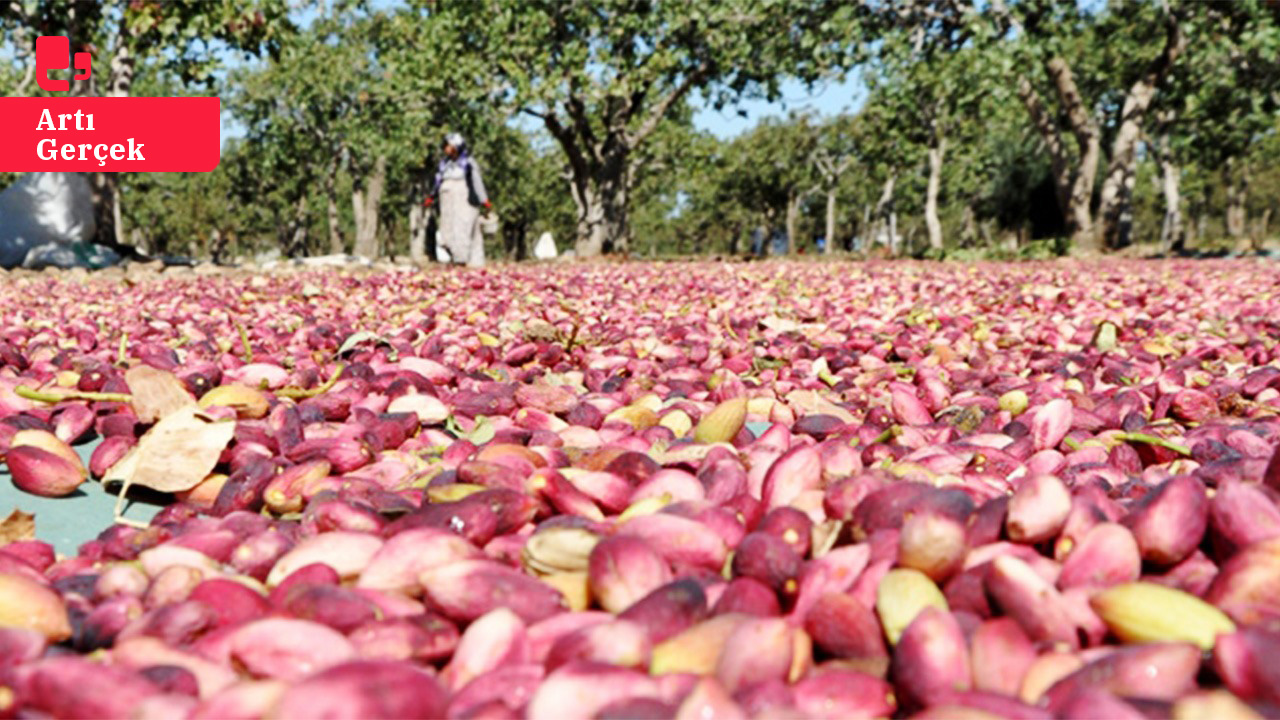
640,359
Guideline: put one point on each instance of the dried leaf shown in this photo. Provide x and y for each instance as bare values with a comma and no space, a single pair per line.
537,329
18,526
355,339
156,393
779,325
176,454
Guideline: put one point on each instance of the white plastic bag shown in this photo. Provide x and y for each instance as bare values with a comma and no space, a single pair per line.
545,248
46,210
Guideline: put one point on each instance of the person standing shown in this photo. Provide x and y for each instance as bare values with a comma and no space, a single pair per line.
459,193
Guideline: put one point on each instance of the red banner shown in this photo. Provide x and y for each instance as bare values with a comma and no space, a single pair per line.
131,134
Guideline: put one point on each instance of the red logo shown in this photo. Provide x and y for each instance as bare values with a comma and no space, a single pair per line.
104,134
52,53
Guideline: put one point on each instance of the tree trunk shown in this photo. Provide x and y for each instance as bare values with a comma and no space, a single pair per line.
1237,193
893,233
417,233
601,172
601,200
886,223
1051,136
1113,200
217,246
936,153
336,246
831,169
792,220
418,220
331,212
593,233
1124,218
357,211
1260,228
432,229
831,222
1074,187
106,186
865,235
366,200
1088,137
590,220
599,182
514,240
1080,220
1172,238
1115,193
969,226
296,239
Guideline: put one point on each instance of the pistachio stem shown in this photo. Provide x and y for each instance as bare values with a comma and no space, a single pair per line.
244,342
573,337
888,434
120,519
53,397
1155,440
729,327
297,393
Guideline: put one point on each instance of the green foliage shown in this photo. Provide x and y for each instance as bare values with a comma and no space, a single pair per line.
580,114
602,77
1225,95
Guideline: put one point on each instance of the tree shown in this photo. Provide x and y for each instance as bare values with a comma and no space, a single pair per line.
525,182
1117,182
16,21
771,168
337,104
932,73
1074,171
603,76
1105,70
889,149
292,109
834,155
1224,99
684,200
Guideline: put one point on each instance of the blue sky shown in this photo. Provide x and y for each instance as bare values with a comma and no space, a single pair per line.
825,99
